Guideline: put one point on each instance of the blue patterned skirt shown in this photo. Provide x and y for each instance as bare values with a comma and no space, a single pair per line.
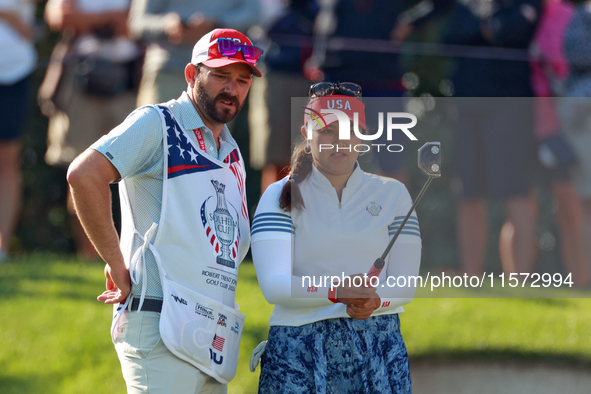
336,356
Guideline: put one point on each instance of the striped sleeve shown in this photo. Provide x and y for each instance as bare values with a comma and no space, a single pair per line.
410,232
270,221
411,227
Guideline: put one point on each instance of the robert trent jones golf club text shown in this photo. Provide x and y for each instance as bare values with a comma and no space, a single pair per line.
440,280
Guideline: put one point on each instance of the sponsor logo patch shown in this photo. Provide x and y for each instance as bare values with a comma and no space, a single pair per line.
204,311
179,299
222,320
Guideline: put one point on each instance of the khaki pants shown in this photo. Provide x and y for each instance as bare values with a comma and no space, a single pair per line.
86,120
149,367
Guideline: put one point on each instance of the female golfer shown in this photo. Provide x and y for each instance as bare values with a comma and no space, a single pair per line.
314,236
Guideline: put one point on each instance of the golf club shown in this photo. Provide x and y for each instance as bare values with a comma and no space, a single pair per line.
429,158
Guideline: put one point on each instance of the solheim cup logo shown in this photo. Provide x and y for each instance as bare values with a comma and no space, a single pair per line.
224,235
224,226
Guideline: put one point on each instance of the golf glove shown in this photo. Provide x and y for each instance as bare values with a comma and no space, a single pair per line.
256,355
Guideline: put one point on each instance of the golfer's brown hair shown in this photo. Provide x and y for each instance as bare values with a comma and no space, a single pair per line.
301,167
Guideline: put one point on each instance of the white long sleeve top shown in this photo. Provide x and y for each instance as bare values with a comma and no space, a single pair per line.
295,251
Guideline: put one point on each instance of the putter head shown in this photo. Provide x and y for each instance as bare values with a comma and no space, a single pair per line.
430,159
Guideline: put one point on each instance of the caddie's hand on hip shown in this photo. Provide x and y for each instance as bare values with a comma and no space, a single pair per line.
89,176
118,285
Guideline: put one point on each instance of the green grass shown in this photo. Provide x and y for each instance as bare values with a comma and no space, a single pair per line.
54,336
554,330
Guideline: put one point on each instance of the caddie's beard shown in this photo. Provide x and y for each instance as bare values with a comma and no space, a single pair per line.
207,104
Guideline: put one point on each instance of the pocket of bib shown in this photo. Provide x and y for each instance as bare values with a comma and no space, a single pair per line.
185,324
201,331
226,343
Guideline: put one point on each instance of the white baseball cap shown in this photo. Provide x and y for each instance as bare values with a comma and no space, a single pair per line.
235,45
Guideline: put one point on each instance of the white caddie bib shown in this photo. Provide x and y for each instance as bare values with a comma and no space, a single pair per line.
202,237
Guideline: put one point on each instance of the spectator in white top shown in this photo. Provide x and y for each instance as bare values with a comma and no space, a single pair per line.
16,65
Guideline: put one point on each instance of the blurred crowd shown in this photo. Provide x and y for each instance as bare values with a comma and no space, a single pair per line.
115,55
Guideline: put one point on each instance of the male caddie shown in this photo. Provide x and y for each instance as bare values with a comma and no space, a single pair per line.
185,228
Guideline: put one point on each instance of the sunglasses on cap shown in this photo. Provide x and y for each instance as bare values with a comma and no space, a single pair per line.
229,48
322,89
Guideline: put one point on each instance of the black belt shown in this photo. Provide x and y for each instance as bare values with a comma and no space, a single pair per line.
149,305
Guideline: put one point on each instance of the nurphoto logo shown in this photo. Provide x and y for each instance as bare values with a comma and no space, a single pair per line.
317,118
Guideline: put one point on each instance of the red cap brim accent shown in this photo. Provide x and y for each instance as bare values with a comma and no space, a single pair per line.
347,104
222,62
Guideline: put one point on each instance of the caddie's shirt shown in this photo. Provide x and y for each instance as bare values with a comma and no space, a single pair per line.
135,148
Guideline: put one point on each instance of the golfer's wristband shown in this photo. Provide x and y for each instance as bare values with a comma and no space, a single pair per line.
332,294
